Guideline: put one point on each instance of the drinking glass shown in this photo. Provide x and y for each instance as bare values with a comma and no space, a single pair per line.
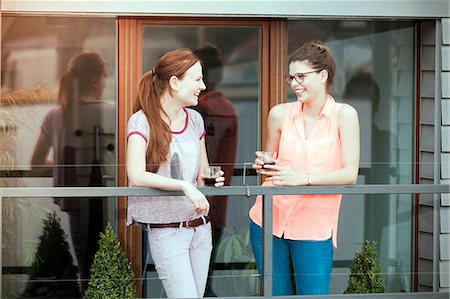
210,173
268,158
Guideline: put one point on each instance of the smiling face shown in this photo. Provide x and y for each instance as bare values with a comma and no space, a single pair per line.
189,87
314,83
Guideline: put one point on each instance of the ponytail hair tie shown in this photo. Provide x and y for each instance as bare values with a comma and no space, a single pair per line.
154,72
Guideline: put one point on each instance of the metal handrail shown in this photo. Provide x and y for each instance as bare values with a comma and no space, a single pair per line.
15,192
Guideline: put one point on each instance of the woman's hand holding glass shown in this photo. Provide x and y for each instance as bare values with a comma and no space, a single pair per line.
285,176
264,159
213,176
279,175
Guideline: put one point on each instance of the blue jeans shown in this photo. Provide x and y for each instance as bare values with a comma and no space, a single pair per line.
312,262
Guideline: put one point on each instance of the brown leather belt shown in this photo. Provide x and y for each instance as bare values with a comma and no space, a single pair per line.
188,224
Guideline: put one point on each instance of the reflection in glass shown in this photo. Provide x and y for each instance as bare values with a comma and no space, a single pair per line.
70,142
76,131
374,74
53,272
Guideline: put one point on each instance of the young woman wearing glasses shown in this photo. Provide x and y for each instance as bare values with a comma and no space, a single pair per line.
317,141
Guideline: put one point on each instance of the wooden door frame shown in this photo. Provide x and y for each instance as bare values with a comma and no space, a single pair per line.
129,59
273,91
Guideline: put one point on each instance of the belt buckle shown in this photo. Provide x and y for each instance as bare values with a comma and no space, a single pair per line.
187,224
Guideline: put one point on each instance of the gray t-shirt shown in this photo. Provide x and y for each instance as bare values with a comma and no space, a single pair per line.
183,163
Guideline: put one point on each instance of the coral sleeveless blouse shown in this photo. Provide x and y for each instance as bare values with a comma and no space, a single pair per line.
307,217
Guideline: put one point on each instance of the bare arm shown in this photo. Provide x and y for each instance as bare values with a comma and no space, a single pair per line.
274,125
139,176
203,163
39,163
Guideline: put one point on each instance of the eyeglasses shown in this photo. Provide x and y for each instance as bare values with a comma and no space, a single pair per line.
299,77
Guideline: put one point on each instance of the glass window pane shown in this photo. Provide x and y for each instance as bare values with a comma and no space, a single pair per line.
230,108
58,128
375,74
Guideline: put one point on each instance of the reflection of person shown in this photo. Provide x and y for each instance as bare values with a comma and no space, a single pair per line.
221,133
72,130
317,141
362,86
166,150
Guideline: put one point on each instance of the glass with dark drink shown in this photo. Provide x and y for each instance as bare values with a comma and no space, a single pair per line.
210,181
267,163
210,174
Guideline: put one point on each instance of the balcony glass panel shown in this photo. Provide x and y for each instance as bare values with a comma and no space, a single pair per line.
52,136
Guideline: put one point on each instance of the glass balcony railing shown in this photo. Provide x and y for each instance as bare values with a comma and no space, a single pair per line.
11,196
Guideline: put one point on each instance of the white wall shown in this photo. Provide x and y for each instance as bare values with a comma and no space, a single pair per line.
361,8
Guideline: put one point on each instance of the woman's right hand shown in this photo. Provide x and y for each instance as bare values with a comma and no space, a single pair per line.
259,162
201,203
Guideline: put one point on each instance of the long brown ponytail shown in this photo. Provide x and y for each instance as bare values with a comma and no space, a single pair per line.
151,87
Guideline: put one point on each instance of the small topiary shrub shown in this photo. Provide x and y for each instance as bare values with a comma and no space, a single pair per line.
365,273
111,274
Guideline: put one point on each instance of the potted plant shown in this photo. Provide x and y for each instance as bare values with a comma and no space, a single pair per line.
365,273
111,274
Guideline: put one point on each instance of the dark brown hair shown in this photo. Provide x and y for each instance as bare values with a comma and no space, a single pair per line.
318,56
78,80
151,87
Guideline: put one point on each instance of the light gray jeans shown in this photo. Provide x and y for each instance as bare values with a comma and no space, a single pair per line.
181,257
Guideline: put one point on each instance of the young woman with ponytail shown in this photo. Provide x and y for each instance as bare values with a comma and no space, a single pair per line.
166,150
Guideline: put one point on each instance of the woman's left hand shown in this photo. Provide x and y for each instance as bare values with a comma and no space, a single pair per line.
284,176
